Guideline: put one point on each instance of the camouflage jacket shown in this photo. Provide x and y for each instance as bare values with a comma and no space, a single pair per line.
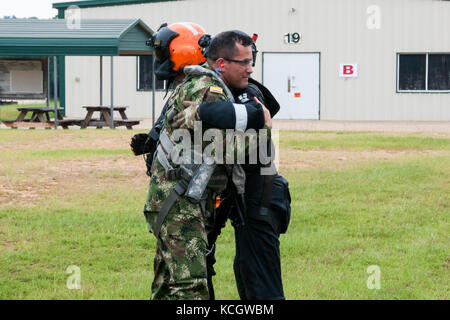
196,89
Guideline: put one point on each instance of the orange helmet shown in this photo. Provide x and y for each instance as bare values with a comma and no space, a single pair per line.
176,46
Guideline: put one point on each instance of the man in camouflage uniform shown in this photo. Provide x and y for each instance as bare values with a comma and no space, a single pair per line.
180,265
180,259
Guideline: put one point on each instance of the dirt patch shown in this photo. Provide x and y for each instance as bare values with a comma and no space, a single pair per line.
126,165
28,186
7,245
31,181
76,139
34,181
17,193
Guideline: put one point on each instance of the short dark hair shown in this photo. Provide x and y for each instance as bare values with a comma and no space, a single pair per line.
223,45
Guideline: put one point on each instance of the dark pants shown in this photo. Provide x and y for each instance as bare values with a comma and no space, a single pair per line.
210,272
257,266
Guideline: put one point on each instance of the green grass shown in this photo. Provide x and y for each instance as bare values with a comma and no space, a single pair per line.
358,141
108,241
393,215
9,111
390,213
62,154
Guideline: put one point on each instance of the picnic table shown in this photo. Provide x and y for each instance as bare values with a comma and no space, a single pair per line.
40,118
104,119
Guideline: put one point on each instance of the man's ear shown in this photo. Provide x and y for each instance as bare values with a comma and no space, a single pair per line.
220,63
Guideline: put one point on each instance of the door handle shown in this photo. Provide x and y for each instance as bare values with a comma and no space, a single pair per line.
289,84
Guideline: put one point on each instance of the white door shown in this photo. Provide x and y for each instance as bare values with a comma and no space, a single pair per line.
294,80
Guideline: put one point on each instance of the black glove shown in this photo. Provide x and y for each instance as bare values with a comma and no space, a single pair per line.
141,143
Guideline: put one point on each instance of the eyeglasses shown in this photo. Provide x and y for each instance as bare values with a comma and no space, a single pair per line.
243,63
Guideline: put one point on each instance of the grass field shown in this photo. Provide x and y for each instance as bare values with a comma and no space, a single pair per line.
9,111
75,197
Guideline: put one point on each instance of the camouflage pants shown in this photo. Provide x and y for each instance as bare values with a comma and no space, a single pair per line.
180,263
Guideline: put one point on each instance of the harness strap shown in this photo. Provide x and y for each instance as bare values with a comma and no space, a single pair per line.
163,158
177,192
166,142
171,172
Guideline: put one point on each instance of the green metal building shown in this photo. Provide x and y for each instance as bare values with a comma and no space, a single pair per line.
25,46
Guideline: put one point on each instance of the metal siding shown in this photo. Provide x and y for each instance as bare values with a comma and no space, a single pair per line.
82,92
101,3
335,28
57,29
134,40
53,37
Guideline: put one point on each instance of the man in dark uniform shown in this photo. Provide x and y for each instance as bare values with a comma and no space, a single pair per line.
257,265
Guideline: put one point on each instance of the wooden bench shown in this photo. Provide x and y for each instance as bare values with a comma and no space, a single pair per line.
105,117
70,122
127,123
40,118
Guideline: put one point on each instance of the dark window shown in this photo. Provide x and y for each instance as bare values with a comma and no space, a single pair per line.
145,76
439,72
412,72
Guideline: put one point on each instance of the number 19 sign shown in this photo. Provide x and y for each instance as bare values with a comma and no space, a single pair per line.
293,38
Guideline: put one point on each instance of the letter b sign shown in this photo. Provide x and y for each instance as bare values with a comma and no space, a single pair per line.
348,70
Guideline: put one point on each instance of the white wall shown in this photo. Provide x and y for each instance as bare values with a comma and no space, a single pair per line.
335,28
83,86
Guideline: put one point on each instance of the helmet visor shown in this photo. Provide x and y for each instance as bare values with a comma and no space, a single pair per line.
161,54
161,41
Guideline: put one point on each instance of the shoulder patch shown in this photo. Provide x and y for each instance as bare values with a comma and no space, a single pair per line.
216,89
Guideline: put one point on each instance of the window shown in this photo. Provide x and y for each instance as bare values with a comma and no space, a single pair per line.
145,74
439,72
412,72
423,72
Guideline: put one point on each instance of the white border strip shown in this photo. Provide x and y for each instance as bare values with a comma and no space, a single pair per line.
241,116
